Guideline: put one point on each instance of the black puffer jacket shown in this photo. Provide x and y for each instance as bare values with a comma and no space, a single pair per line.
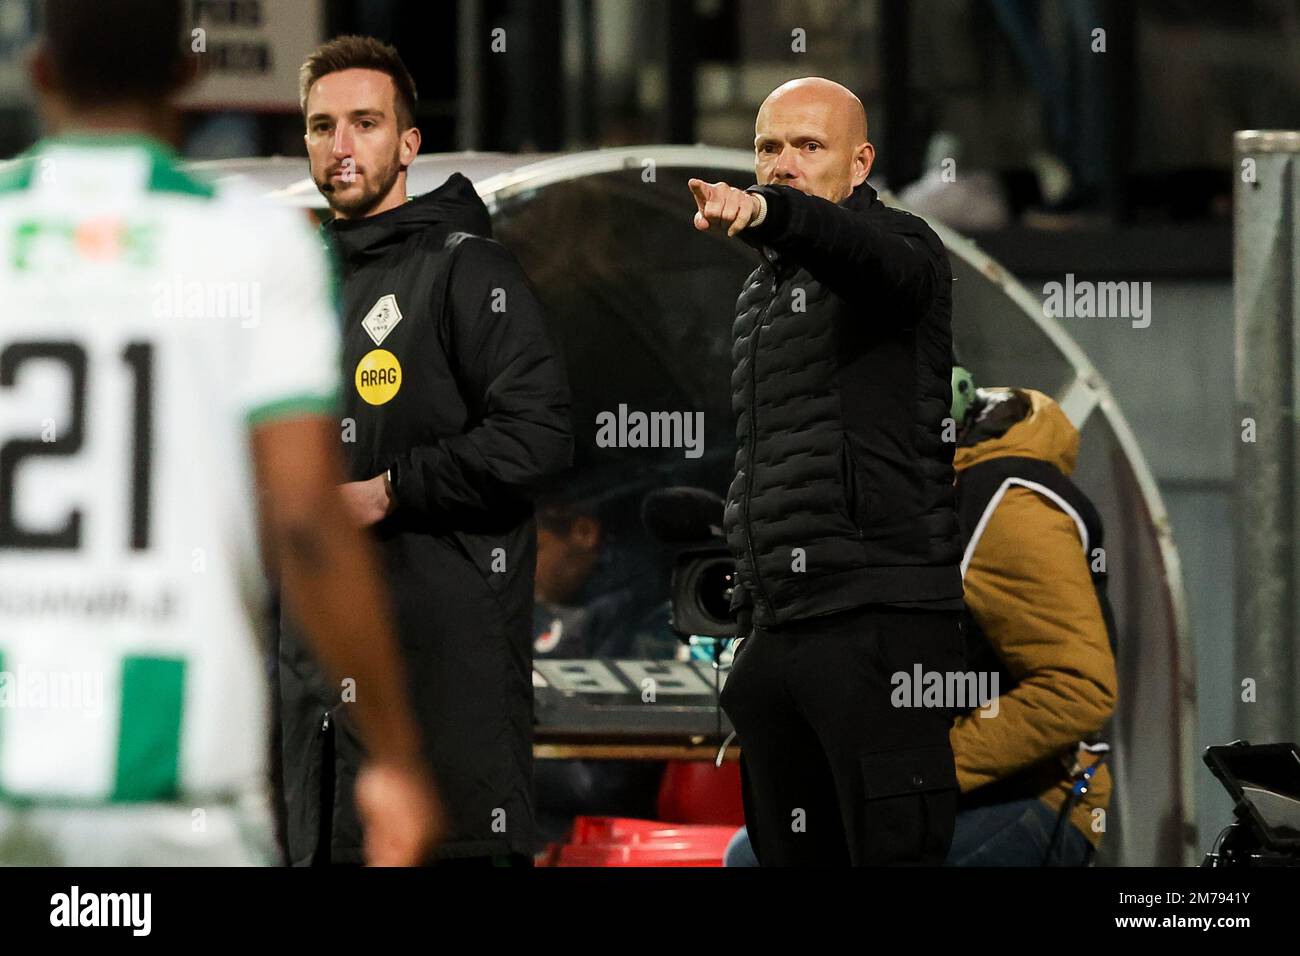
450,380
843,494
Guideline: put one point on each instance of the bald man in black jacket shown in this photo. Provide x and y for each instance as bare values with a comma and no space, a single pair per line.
841,515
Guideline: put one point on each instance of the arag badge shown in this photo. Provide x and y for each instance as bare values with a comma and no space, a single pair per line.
379,376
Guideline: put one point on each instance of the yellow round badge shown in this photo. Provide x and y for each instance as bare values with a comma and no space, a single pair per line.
378,376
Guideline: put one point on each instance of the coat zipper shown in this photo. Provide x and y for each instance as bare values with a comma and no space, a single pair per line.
753,432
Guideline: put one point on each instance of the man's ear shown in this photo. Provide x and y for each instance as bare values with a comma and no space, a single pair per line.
863,160
188,71
47,85
41,72
410,146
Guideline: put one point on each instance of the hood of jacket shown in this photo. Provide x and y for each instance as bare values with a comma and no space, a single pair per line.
1019,422
454,206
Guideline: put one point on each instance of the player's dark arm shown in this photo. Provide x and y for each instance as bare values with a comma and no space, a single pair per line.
857,259
516,390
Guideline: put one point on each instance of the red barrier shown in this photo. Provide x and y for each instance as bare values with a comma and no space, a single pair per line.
695,791
617,841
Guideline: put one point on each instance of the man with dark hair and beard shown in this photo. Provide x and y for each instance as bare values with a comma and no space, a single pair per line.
357,166
456,408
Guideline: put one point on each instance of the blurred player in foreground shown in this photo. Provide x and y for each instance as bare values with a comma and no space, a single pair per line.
167,348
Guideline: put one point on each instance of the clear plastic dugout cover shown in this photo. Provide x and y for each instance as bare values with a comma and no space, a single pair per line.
641,306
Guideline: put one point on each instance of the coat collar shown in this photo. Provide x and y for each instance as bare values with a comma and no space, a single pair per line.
454,206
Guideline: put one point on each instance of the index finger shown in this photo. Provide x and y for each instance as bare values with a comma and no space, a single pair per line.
701,191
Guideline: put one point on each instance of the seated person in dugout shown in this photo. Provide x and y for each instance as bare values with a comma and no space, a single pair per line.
1029,765
1033,788
593,598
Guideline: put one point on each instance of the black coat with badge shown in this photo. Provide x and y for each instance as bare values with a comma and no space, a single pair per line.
450,381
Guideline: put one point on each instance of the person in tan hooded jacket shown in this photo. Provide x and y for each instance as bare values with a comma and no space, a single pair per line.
1038,618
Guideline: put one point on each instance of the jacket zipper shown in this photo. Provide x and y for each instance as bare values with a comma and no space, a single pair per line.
753,432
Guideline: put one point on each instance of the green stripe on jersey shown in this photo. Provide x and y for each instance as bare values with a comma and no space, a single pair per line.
292,406
149,737
333,271
166,177
165,172
17,175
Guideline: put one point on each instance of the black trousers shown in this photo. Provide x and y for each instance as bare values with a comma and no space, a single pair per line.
835,771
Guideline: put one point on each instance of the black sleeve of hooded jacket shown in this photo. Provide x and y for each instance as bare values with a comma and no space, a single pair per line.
886,261
512,383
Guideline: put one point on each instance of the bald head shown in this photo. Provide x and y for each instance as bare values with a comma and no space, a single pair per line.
838,103
811,134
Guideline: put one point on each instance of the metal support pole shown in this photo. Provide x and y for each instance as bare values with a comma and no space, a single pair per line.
471,41
903,154
1266,241
679,73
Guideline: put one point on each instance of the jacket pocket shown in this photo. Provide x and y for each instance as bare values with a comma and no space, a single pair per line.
856,497
911,798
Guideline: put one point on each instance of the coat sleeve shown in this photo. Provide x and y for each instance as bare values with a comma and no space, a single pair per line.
860,260
1029,588
513,384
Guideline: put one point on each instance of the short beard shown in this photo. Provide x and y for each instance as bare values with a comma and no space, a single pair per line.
372,193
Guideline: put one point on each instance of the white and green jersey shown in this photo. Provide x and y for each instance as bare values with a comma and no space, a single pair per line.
147,319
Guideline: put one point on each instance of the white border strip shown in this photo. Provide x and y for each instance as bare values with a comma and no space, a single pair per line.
997,499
